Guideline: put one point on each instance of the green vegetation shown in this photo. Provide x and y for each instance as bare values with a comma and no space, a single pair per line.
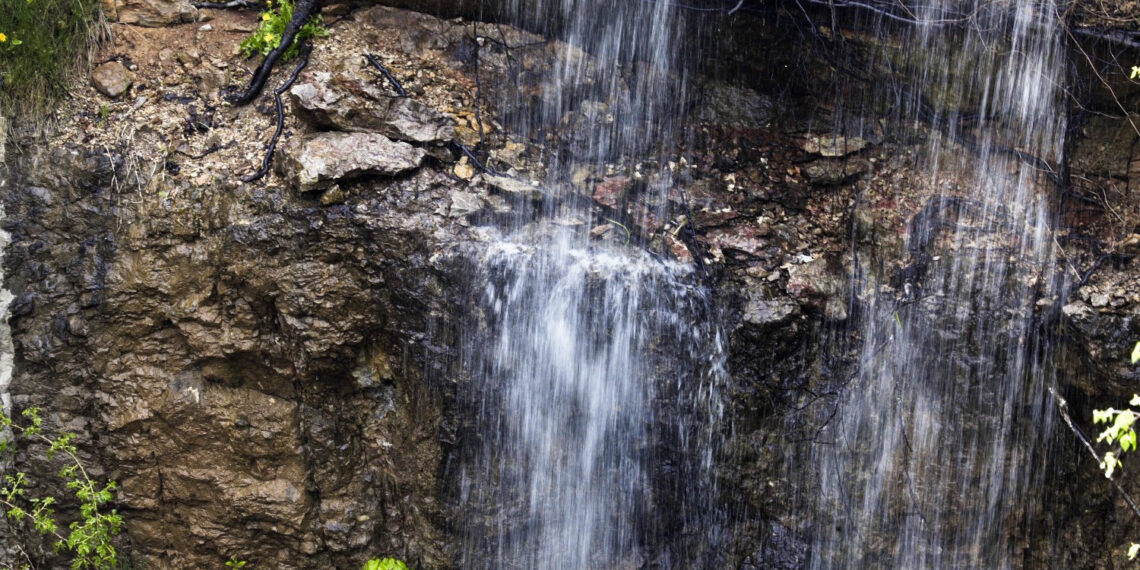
89,540
233,562
385,564
273,21
1120,431
41,41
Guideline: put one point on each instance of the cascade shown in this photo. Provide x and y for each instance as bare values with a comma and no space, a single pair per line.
937,446
592,368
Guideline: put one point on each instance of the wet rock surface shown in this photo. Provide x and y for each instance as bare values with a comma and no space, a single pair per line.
265,372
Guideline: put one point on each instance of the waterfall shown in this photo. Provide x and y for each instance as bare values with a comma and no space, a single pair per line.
935,454
591,369
7,350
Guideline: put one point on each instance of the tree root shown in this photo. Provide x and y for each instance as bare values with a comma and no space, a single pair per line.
268,160
302,10
388,74
474,160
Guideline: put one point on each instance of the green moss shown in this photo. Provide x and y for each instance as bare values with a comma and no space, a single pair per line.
44,40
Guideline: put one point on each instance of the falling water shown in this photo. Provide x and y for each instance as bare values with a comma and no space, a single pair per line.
935,453
593,358
592,367
7,350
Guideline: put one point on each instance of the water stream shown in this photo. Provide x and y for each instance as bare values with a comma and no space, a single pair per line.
935,455
593,368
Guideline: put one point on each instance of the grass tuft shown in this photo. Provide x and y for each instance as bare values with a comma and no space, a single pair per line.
44,41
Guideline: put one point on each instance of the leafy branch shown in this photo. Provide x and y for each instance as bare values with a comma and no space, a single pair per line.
1119,430
88,539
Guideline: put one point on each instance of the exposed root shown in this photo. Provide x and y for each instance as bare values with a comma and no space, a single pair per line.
388,74
268,160
474,160
302,10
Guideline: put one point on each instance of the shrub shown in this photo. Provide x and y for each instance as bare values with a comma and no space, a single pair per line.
89,539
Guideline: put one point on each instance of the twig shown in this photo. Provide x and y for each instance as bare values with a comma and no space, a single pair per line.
268,160
388,74
1103,81
209,150
1063,407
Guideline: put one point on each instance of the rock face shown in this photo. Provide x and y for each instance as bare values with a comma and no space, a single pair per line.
270,375
316,161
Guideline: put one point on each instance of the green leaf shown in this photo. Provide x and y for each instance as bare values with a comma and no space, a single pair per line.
1128,440
385,564
1109,464
1133,551
1124,421
1136,349
1102,416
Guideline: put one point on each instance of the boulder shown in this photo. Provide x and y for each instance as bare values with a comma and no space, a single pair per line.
111,79
154,13
316,161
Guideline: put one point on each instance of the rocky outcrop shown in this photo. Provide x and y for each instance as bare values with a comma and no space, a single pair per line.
329,100
316,161
268,373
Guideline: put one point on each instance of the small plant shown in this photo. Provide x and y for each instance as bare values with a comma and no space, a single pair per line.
89,539
235,563
1120,431
273,21
385,564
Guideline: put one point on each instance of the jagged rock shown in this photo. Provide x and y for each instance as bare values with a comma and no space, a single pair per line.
730,106
745,238
1098,300
154,13
111,79
612,191
514,187
820,287
832,145
313,162
464,204
763,312
678,249
348,100
831,172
